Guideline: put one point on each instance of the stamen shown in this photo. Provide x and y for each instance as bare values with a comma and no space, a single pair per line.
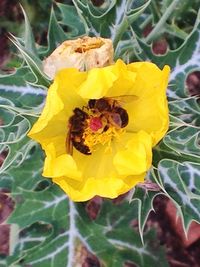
92,139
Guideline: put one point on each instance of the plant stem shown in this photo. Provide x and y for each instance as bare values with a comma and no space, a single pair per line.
162,21
127,21
146,22
120,31
155,9
174,30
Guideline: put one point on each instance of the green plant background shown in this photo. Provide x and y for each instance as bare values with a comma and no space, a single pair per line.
46,228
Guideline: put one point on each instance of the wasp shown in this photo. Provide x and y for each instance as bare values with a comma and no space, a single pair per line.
110,107
104,109
77,124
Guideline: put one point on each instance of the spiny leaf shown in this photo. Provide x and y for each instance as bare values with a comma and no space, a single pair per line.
19,77
71,19
33,62
185,140
186,109
28,36
67,227
143,201
13,133
119,15
183,60
181,183
56,35
23,96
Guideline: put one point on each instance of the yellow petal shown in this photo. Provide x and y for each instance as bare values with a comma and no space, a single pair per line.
124,82
150,111
61,99
103,175
106,187
136,156
97,165
101,162
53,106
98,82
59,165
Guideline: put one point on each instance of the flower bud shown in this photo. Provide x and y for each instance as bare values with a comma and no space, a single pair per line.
83,53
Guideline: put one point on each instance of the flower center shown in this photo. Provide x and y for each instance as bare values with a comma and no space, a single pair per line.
97,123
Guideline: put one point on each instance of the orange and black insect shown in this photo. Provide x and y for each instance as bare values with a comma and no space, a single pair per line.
110,107
104,109
75,133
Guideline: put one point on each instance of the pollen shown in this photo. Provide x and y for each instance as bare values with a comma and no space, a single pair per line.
101,137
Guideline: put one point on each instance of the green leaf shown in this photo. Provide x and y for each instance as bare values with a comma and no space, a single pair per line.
3,262
29,177
71,19
185,140
55,228
56,35
142,199
182,61
112,19
28,36
33,62
23,96
19,77
187,110
13,132
181,183
158,29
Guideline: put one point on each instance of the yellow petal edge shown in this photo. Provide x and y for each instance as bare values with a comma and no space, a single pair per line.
104,173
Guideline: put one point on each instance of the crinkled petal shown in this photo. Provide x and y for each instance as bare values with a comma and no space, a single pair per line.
97,83
115,80
45,125
110,174
57,165
149,112
61,99
106,187
135,158
123,84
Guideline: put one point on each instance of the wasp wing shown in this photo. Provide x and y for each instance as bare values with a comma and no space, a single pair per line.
124,98
69,145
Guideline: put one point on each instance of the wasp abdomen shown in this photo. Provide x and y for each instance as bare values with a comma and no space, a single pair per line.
81,147
123,115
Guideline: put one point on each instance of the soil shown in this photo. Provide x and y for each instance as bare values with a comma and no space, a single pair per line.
193,83
6,207
179,254
14,14
97,2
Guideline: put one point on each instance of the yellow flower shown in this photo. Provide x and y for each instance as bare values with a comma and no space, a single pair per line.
114,143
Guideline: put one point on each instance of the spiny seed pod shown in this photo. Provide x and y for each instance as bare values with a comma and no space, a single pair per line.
83,53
